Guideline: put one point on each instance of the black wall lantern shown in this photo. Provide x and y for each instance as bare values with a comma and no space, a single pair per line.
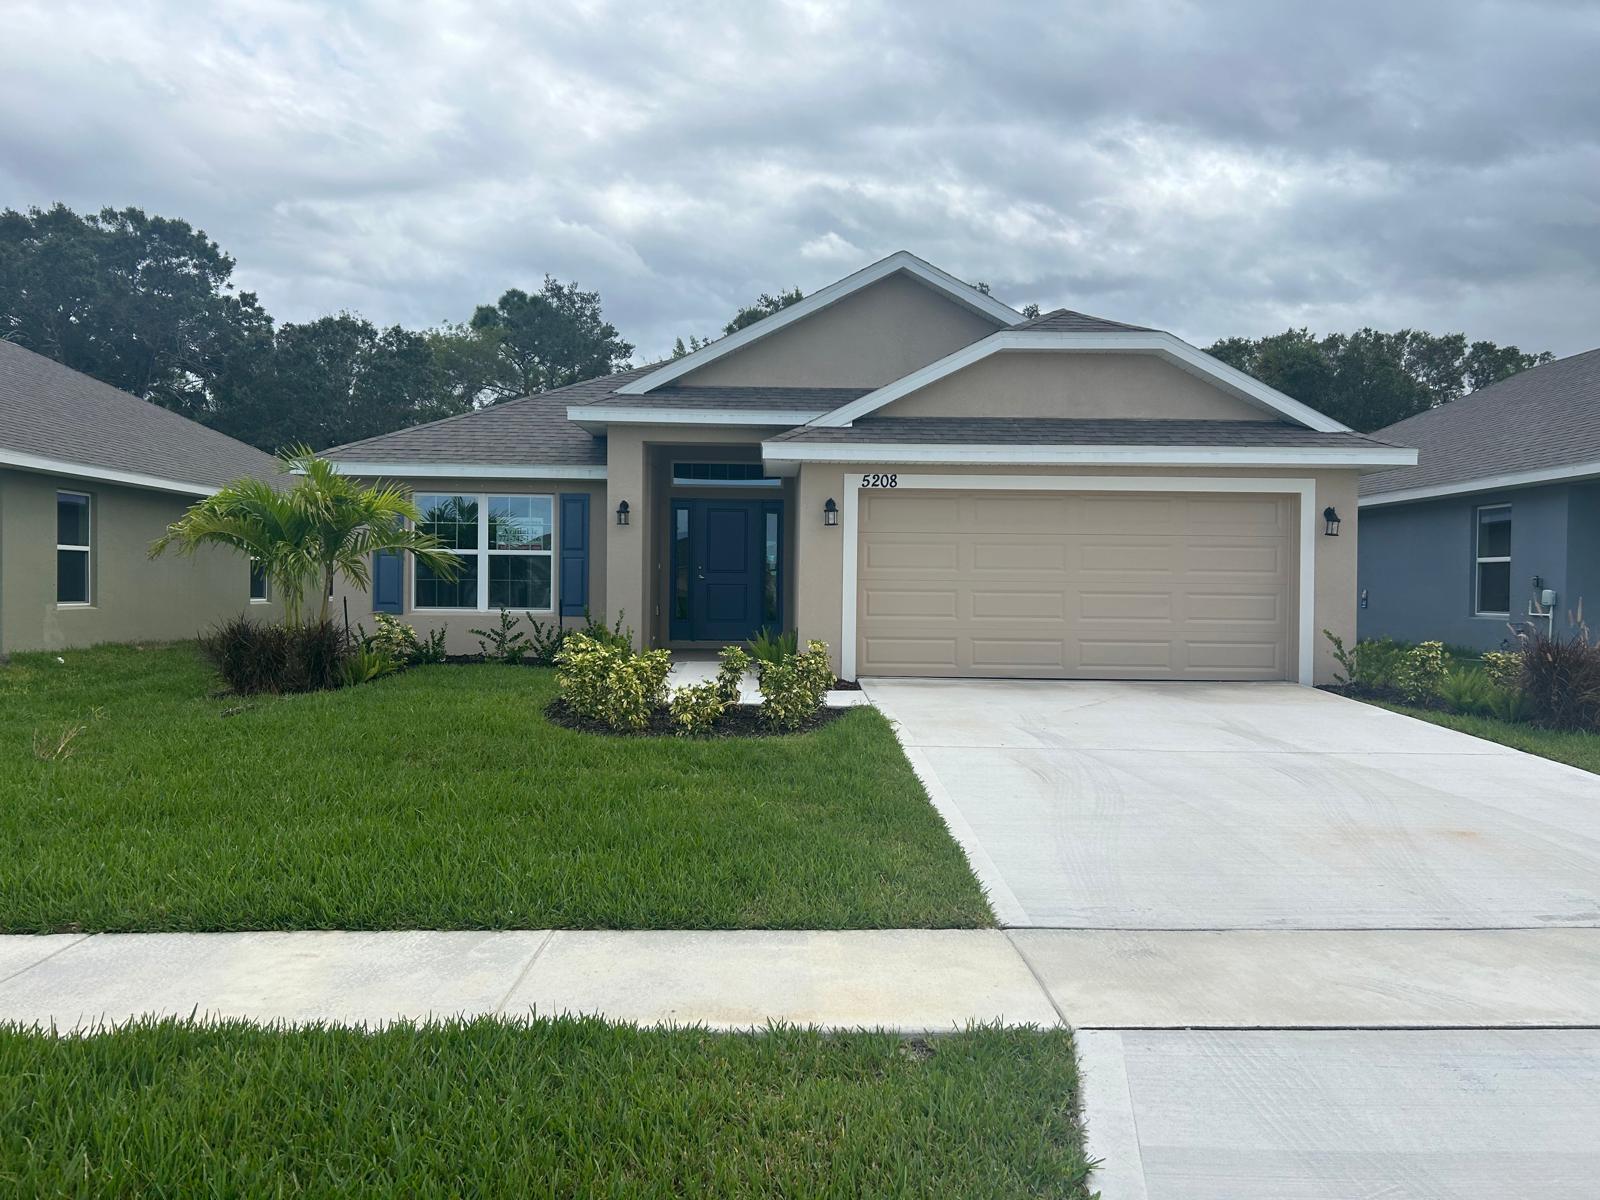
1330,521
622,513
830,512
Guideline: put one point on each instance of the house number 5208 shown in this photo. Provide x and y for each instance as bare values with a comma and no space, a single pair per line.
880,481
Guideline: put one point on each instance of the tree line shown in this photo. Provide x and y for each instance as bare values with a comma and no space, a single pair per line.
147,304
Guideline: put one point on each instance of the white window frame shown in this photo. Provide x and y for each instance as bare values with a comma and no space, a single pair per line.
87,548
483,553
1478,559
266,584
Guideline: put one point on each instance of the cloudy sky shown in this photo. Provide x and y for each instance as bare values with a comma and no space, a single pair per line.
1211,168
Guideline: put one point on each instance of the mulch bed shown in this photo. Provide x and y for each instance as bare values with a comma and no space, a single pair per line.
741,720
1388,695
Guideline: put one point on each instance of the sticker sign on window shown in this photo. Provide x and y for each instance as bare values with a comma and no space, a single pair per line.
880,481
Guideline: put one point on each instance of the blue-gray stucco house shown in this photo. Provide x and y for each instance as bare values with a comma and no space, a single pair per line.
1502,507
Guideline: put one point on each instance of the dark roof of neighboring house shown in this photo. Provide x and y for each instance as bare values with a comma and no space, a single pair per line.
1070,431
1544,417
530,429
736,398
53,412
1064,320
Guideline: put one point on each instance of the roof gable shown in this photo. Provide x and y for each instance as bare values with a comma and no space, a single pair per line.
1172,349
979,313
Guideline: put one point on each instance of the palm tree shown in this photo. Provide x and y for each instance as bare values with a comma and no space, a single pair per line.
323,526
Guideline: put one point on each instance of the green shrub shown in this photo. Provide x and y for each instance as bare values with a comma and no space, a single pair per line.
1466,691
1561,677
769,649
618,635
611,684
793,689
366,663
544,641
401,643
1508,704
696,708
1348,658
1504,668
733,663
271,658
1420,671
504,642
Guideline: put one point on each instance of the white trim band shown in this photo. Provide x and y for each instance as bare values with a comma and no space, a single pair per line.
1304,489
607,414
467,470
1140,456
901,260
1489,483
1164,345
56,466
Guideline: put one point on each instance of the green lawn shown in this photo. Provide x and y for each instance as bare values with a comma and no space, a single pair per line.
1574,749
439,799
562,1108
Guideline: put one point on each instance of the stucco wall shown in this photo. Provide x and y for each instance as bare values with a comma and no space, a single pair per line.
868,339
821,550
1026,383
458,624
133,598
1417,563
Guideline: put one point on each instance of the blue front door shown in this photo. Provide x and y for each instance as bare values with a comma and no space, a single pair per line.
724,569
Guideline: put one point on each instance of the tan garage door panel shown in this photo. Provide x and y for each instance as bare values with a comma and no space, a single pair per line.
1075,585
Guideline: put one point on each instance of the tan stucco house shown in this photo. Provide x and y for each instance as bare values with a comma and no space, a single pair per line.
90,476
904,467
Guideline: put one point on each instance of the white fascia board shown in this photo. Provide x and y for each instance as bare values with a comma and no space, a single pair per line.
1489,483
1103,456
58,466
900,260
616,414
430,470
1164,345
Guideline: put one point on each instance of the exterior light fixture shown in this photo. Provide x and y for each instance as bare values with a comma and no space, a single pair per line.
830,513
1330,521
622,513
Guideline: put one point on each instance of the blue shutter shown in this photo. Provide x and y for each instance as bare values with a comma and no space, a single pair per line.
574,553
388,582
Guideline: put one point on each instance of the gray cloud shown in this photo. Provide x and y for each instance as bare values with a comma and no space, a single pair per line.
1212,168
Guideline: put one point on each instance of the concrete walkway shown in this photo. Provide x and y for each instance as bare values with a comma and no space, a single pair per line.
912,980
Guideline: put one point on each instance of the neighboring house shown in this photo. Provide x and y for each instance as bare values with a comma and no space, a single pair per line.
89,477
903,467
1503,507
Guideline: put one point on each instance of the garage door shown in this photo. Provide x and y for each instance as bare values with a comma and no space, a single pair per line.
1075,585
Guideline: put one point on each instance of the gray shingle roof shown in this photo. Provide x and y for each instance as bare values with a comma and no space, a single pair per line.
1064,320
1545,417
529,430
1068,431
737,398
54,412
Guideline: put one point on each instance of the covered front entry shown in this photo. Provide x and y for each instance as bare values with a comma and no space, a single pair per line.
1076,585
726,569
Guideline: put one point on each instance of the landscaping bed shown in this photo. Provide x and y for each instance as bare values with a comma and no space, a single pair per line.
439,798
737,721
549,1108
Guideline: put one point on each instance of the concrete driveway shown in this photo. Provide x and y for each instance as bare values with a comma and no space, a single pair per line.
1244,806
1297,934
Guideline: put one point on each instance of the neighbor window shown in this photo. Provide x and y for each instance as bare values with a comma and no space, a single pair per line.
72,548
1492,585
258,582
504,543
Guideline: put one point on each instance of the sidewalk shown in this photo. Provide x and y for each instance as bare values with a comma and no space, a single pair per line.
909,980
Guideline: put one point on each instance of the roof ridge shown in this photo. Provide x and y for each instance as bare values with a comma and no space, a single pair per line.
1471,399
